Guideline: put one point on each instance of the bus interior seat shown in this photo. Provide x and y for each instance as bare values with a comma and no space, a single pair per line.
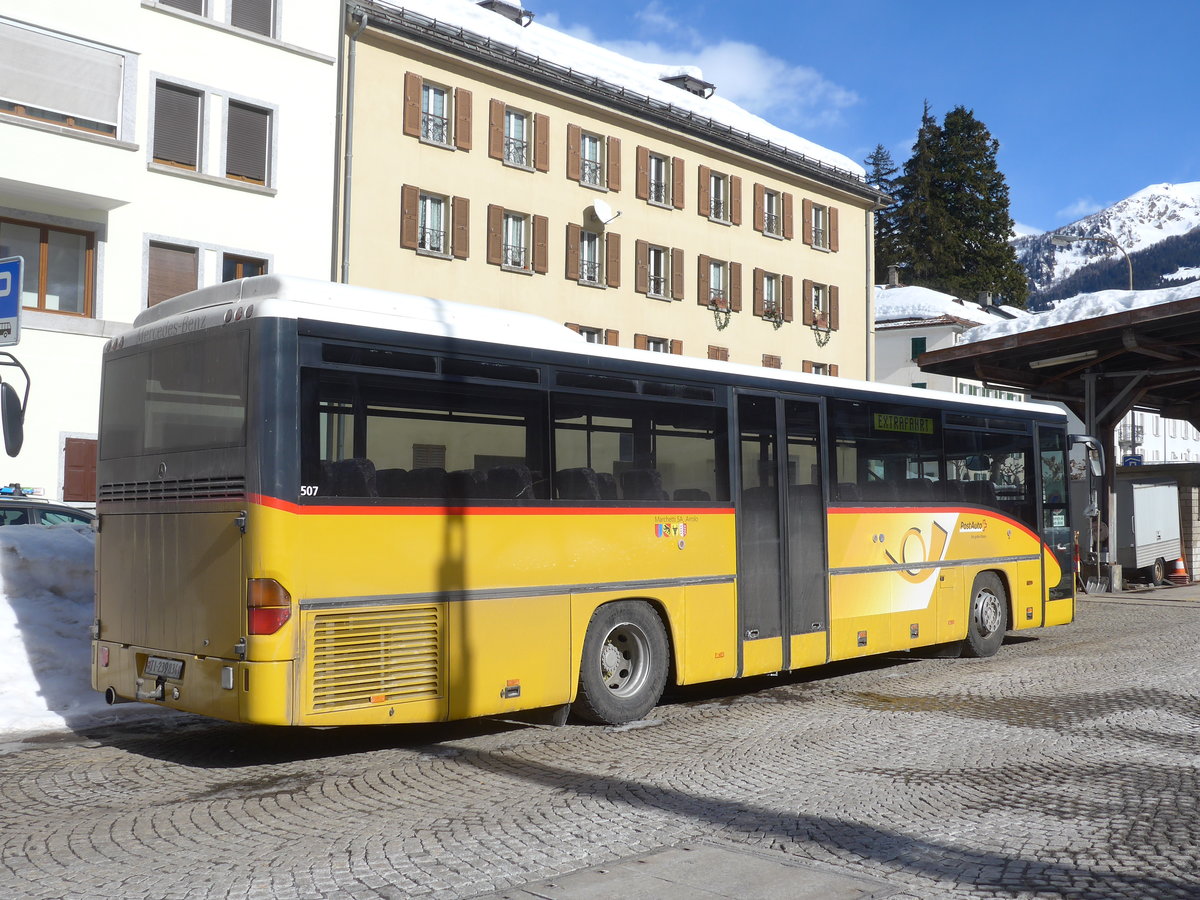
980,493
606,483
576,484
513,482
920,489
466,484
391,482
427,482
348,478
847,492
643,484
692,494
884,491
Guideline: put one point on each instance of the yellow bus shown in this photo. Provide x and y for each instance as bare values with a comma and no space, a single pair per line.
327,505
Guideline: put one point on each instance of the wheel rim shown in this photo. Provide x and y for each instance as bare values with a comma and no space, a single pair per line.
989,612
624,659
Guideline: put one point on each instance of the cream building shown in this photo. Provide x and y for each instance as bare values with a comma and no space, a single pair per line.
520,168
149,147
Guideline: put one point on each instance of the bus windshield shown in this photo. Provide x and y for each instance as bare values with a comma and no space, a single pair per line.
189,396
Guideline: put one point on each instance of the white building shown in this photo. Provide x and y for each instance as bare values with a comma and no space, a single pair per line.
148,147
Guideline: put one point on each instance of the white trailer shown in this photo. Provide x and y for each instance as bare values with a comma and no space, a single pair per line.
1148,526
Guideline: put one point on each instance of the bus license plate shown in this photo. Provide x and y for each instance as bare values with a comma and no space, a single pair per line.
168,668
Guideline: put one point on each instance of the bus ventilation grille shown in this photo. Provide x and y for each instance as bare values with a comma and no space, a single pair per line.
177,489
377,656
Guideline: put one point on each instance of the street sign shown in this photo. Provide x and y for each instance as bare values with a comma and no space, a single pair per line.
1133,459
11,271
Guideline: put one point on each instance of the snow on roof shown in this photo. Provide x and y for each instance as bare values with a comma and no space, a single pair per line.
597,62
1084,306
912,302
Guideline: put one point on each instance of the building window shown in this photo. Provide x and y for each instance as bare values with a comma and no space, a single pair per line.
171,270
772,221
435,114
431,224
716,284
820,226
773,296
234,267
589,257
514,244
177,116
60,81
720,196
591,162
657,271
659,185
920,384
718,207
252,15
657,344
59,265
820,305
917,347
591,335
247,143
659,178
516,241
516,138
818,368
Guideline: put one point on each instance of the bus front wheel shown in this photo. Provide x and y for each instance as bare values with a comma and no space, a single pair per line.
624,665
988,618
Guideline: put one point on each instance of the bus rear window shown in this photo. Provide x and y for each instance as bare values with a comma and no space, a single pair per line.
189,396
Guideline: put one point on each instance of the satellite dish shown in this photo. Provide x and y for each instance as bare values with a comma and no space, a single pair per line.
603,211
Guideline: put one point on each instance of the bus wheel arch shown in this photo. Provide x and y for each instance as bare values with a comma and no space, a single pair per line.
624,664
989,615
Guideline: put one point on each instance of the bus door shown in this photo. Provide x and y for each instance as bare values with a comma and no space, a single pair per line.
782,595
1054,521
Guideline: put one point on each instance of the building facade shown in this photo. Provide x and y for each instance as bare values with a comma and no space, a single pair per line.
150,147
520,168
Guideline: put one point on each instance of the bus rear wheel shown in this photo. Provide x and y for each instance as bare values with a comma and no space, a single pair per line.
624,665
988,618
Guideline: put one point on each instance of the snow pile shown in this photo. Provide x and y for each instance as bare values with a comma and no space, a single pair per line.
1085,306
912,302
46,609
597,62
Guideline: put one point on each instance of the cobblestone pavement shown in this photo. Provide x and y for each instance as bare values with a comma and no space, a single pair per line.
1066,766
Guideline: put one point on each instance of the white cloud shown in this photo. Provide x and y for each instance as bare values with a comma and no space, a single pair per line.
1020,230
1084,206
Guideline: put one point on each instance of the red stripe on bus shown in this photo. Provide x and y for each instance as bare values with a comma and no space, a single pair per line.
305,510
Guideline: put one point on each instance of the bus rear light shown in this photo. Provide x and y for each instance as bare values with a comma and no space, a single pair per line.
268,605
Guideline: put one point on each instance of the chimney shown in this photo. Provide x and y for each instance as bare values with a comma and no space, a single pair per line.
893,276
510,9
984,298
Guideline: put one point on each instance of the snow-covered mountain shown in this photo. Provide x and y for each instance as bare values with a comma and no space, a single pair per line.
1157,227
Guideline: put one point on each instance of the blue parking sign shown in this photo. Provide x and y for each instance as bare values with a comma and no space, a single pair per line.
11,271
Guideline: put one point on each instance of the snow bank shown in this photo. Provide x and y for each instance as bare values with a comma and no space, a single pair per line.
46,608
1085,306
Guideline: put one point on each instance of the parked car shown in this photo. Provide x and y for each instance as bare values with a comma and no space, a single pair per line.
29,511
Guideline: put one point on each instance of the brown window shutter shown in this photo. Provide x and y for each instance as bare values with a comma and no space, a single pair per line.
702,282
806,234
572,268
460,210
640,342
574,136
759,197
176,125
735,199
735,287
788,287
833,229
247,142
171,271
833,307
770,361
702,191
758,308
833,369
541,143
806,366
677,188
496,129
806,300
614,163
79,470
612,337
612,260
676,274
541,249
641,267
721,353
410,202
677,347
495,234
412,104
462,118
789,231
641,186
573,326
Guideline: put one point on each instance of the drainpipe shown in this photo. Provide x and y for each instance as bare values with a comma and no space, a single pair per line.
869,243
347,105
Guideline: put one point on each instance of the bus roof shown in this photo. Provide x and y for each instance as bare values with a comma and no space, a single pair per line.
292,297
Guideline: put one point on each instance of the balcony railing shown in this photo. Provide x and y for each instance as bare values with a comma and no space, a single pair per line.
657,285
658,191
589,271
716,208
770,223
431,239
589,171
435,128
515,255
516,151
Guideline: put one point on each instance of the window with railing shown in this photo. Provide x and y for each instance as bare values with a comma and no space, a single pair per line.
656,271
516,138
591,165
589,257
435,114
659,184
515,245
717,205
770,289
772,222
716,285
820,226
431,224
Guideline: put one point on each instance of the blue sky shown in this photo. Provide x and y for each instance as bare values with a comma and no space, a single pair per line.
1091,102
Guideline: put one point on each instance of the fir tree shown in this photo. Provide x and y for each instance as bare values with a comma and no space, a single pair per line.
919,216
881,171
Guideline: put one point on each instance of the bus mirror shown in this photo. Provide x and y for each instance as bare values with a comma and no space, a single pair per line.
979,463
12,416
1095,452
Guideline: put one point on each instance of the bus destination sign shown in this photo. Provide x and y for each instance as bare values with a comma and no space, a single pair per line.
907,424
